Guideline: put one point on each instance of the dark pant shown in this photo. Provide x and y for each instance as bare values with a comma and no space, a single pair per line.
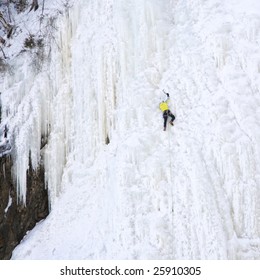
166,114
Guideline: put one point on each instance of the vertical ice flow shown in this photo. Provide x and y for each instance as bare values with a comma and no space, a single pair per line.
192,192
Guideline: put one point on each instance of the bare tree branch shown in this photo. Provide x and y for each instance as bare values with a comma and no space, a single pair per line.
3,52
8,27
34,5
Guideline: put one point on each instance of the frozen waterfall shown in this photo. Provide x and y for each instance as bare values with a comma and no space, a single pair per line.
119,186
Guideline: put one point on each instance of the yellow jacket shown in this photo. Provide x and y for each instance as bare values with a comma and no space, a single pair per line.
164,105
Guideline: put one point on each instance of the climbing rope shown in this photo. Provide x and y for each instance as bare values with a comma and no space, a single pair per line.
171,190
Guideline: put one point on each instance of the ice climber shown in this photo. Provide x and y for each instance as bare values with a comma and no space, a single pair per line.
166,112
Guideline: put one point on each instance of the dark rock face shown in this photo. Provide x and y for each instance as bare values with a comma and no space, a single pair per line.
15,218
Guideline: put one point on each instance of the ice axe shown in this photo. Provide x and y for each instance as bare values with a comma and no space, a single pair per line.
166,93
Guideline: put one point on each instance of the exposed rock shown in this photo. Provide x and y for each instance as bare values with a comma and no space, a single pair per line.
15,218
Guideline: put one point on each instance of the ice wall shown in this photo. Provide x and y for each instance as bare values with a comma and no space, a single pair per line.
224,34
129,188
113,46
36,104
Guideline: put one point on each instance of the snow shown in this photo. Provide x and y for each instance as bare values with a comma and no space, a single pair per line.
191,192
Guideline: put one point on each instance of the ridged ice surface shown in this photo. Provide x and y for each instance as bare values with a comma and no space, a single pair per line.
121,187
